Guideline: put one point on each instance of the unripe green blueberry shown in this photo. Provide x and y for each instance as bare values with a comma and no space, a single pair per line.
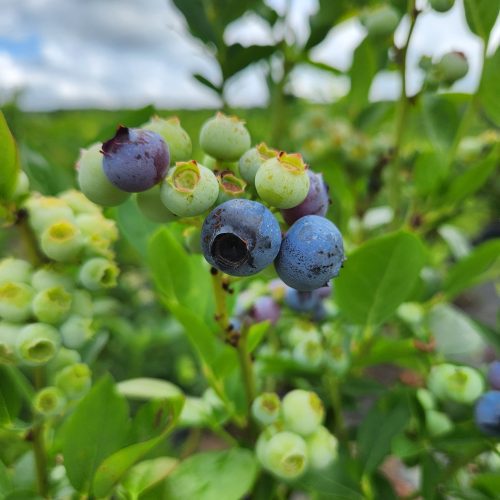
224,137
76,330
426,399
303,412
98,273
17,270
151,206
79,203
300,331
8,336
285,455
192,239
251,161
82,304
93,181
452,67
460,384
22,187
189,189
337,359
97,225
62,241
74,380
52,305
15,301
230,187
381,21
263,440
266,408
106,306
442,5
308,352
283,181
48,276
64,357
37,343
49,401
178,140
321,448
45,211
437,423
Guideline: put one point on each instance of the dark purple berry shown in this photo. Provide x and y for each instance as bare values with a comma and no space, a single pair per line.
303,302
316,202
265,309
487,413
135,160
494,375
240,237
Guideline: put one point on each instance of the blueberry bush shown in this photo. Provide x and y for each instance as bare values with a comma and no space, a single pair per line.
306,306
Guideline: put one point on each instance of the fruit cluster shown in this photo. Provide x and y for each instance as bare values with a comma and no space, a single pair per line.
293,438
235,190
46,312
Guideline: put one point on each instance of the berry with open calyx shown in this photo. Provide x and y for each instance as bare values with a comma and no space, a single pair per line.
322,448
309,353
15,301
49,401
47,277
8,335
93,182
487,413
62,241
98,273
79,203
46,210
240,237
74,380
282,181
178,140
300,331
12,269
224,137
442,5
303,412
135,160
76,330
380,21
494,375
311,253
266,408
315,203
190,189
52,305
230,186
151,206
252,159
452,67
37,343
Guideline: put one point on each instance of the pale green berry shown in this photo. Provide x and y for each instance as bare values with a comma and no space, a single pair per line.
322,448
442,5
82,304
426,399
460,384
218,165
96,224
151,206
62,241
283,181
22,187
286,455
64,357
308,352
452,67
437,423
93,181
252,159
8,336
15,301
266,408
12,269
98,273
49,401
224,137
337,359
52,305
263,440
47,210
76,330
47,277
106,306
178,140
74,380
230,187
79,203
192,239
189,189
380,21
300,331
303,411
37,343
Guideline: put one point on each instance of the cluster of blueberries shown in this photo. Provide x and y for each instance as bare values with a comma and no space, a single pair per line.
239,236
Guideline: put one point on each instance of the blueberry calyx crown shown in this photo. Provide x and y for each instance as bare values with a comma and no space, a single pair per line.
227,249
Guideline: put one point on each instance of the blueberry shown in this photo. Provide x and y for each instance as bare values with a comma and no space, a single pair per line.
265,309
230,186
442,5
494,375
49,401
452,67
380,21
311,253
240,237
315,203
251,161
487,413
135,160
307,301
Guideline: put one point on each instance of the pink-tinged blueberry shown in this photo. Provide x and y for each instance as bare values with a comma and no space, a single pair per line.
265,309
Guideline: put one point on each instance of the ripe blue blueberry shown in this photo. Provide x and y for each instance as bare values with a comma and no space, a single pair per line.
494,375
311,253
240,237
135,160
487,413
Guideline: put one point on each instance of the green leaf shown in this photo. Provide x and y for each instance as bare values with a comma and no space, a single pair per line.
401,352
375,434
324,20
113,468
481,16
378,277
239,57
95,430
227,474
256,335
207,83
9,160
146,474
197,20
473,269
441,120
148,388
488,92
363,70
429,172
10,399
488,482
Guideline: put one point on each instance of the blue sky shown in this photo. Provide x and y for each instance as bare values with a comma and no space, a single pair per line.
128,53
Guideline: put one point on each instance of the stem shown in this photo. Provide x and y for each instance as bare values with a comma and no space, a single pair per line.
336,401
221,315
39,443
246,367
